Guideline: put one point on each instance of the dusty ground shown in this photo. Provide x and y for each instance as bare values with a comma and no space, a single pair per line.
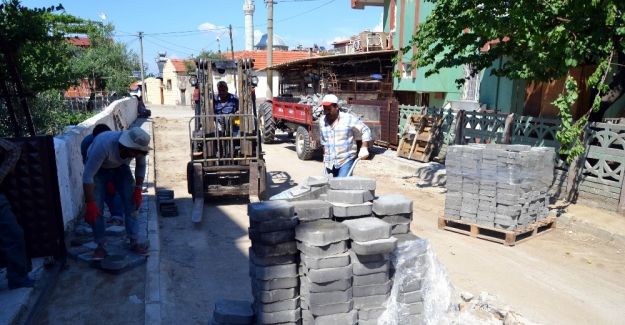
560,278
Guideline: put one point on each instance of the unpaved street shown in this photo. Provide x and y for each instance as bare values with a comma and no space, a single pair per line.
559,278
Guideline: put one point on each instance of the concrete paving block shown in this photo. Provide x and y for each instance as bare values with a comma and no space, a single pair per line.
410,297
289,304
275,284
321,232
342,210
115,231
339,319
322,251
350,196
323,310
410,284
233,312
401,238
90,245
270,296
397,219
312,210
392,204
315,181
370,301
368,229
368,322
372,290
411,309
271,260
368,258
329,275
277,317
352,183
338,285
338,260
370,267
372,247
274,225
275,237
75,251
400,229
330,297
307,317
370,279
269,210
287,248
275,271
372,313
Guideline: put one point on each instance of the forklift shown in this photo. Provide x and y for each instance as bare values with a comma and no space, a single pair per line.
226,153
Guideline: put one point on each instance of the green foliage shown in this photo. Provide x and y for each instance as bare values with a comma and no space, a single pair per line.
570,134
206,55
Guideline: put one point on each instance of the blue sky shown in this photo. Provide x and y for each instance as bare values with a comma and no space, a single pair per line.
184,27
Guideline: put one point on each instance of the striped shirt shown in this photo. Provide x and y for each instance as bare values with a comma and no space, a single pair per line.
230,106
338,139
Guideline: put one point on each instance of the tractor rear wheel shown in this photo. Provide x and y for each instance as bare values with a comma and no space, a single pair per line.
267,123
302,144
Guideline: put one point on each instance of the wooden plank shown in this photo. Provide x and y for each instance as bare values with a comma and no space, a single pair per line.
510,236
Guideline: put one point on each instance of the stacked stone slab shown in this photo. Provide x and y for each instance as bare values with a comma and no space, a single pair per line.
326,273
502,186
395,210
351,197
371,245
274,262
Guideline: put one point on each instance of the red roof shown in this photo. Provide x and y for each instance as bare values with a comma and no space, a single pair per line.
179,65
260,57
79,41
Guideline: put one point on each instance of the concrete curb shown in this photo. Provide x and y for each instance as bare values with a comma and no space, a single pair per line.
568,220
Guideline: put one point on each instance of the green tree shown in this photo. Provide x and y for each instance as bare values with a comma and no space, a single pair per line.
206,55
543,40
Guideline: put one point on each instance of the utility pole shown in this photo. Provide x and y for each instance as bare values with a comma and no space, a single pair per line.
231,42
269,49
144,89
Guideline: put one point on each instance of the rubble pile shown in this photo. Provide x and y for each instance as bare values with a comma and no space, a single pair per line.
501,186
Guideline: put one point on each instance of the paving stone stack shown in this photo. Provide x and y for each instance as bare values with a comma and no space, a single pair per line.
410,260
166,203
501,186
371,245
351,197
396,210
232,312
274,262
326,273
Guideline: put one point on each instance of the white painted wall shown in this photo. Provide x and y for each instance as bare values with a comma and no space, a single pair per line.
261,89
69,160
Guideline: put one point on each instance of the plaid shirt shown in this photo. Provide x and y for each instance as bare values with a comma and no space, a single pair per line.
9,155
338,139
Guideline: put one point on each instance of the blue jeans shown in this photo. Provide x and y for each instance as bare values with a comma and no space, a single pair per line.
114,202
343,170
124,185
12,244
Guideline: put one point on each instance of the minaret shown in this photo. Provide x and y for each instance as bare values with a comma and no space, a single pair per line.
248,10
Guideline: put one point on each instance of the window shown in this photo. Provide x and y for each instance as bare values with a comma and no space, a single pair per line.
406,70
168,84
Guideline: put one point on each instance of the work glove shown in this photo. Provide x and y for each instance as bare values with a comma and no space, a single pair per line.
110,188
137,197
363,154
92,213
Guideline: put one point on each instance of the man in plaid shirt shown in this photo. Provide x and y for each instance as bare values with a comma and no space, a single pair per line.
338,130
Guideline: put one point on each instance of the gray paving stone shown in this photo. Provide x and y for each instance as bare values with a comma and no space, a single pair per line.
233,312
368,322
277,317
350,196
401,238
330,297
370,301
275,284
315,181
411,309
269,296
287,248
307,317
275,271
397,219
115,231
368,229
269,210
372,290
321,232
326,262
410,284
352,183
370,279
274,225
271,260
323,310
372,247
342,210
322,251
338,319
370,267
392,204
312,210
339,285
329,275
400,229
410,297
275,237
368,258
289,304
370,313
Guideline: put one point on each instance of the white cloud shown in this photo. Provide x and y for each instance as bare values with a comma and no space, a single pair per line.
380,26
210,27
257,35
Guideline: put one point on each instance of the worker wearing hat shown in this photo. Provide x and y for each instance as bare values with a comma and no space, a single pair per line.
338,131
108,160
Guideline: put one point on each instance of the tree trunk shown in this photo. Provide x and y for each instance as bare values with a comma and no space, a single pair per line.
616,90
21,96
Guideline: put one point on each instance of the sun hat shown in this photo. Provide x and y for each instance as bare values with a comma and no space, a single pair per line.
135,138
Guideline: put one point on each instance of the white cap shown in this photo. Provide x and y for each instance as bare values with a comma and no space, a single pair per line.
135,138
329,100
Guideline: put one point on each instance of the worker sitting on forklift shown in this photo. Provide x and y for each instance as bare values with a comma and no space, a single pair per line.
338,130
225,103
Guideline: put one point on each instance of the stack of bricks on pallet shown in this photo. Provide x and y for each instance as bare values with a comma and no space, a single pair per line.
371,245
326,273
274,262
232,312
166,203
411,266
501,186
396,210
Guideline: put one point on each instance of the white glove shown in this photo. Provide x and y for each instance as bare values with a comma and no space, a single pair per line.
363,153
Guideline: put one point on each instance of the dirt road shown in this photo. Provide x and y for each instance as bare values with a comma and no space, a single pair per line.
558,278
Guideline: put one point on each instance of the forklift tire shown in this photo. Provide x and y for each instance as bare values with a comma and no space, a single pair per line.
190,177
268,124
302,144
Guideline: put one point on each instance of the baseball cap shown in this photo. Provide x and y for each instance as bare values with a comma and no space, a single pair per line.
329,100
135,138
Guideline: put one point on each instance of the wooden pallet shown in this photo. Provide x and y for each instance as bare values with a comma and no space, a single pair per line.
506,237
417,141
